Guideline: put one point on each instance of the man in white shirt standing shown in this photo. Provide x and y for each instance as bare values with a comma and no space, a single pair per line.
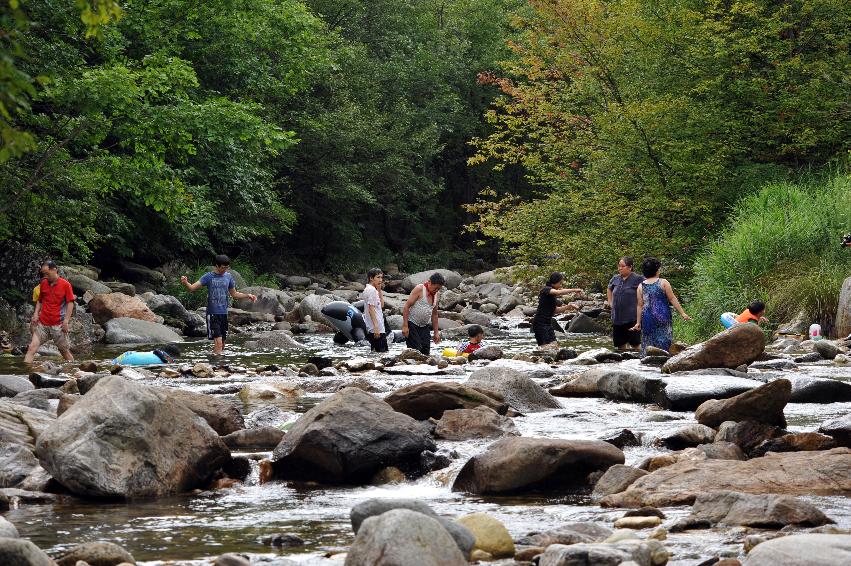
373,310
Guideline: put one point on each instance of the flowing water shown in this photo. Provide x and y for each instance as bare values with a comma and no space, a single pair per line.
196,527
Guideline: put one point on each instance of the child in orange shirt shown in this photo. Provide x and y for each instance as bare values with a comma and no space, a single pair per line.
753,313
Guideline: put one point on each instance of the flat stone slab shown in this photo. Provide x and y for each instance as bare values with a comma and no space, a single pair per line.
826,472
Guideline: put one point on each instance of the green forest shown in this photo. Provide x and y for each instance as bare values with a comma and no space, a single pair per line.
337,134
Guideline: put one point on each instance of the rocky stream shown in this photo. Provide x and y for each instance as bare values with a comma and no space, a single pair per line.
277,452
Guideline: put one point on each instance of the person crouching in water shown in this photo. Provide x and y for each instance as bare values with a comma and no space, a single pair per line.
542,323
421,310
373,310
475,335
754,313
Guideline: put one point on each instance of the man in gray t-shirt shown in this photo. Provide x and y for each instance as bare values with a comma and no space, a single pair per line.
623,300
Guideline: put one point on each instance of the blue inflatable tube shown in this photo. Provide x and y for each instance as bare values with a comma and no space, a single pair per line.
138,359
728,319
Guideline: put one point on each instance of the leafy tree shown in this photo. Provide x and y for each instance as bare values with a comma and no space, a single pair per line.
641,122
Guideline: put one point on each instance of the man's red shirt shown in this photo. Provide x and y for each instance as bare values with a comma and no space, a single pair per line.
54,301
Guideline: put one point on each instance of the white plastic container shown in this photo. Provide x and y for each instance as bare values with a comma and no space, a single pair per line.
815,332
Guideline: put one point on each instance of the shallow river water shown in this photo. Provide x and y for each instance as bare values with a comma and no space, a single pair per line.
204,525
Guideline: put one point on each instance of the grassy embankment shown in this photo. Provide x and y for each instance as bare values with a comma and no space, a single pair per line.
782,246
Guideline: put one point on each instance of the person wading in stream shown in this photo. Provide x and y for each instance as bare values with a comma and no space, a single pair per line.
653,312
54,308
542,324
421,310
373,311
623,300
219,284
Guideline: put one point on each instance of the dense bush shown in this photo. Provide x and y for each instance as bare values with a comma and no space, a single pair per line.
780,245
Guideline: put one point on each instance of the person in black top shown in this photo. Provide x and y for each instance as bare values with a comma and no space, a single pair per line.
542,324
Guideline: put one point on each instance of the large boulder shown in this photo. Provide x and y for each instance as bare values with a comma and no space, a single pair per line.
808,389
787,473
741,344
430,399
802,550
348,438
20,427
842,327
145,276
135,331
273,340
632,552
517,464
517,388
453,279
222,415
269,301
764,405
678,392
481,422
378,506
616,479
169,306
119,305
82,283
312,305
124,439
21,552
750,510
99,553
11,385
401,536
584,324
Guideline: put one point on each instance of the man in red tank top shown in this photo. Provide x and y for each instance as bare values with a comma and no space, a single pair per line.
53,312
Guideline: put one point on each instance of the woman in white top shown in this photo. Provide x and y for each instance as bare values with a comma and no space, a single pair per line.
373,310
421,310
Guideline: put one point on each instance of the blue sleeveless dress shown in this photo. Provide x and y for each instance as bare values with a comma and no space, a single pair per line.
656,327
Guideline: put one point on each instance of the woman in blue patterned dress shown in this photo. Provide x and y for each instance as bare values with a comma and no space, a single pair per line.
655,298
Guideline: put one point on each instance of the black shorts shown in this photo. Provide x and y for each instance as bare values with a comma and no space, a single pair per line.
377,344
621,334
544,334
419,338
217,326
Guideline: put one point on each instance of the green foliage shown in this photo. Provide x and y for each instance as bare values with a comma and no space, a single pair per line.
641,122
18,87
275,129
781,245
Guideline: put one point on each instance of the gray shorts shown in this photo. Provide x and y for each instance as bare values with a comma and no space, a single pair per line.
55,333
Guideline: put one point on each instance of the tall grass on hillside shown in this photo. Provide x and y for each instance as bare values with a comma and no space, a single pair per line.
781,246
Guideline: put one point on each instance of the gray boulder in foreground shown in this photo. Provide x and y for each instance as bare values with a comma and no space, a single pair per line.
802,550
401,536
741,344
378,506
126,330
124,439
639,552
347,438
21,552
